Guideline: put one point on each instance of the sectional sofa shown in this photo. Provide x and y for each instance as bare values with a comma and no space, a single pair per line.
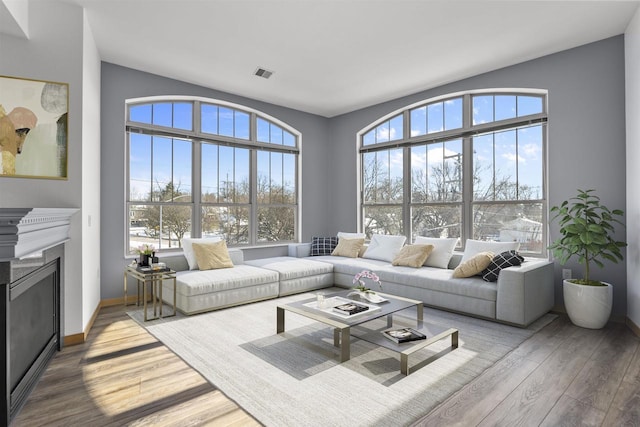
520,295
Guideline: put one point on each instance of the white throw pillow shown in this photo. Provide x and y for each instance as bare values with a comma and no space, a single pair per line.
442,250
473,247
384,247
343,235
187,247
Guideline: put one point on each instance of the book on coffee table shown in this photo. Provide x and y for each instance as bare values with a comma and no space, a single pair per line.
404,335
350,308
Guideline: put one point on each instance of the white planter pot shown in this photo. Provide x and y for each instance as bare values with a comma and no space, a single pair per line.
588,306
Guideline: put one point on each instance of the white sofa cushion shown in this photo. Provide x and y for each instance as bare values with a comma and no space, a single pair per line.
191,283
292,268
442,250
474,247
384,247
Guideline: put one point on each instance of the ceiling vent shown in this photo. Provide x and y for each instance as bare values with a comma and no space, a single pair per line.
263,72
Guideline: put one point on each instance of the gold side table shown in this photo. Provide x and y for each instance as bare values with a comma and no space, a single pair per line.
154,279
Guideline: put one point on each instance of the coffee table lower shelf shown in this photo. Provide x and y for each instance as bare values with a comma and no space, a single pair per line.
434,334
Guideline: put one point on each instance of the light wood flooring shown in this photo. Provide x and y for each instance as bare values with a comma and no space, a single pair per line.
563,375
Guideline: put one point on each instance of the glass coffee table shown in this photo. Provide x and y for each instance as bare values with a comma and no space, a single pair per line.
358,325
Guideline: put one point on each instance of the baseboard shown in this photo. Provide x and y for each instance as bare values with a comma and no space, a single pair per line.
76,339
131,299
634,328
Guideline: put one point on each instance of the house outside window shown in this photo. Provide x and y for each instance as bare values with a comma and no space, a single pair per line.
467,165
199,167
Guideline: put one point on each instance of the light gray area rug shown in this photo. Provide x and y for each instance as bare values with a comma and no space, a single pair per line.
296,379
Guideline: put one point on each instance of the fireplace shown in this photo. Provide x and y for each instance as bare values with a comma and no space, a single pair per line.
31,285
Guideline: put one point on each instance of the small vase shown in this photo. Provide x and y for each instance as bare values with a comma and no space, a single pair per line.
144,260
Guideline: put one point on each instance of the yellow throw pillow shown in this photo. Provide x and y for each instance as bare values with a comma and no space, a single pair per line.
348,247
210,256
474,265
413,255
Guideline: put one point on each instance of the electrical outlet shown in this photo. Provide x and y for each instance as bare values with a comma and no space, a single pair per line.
566,273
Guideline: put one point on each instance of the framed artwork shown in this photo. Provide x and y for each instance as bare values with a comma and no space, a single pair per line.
33,128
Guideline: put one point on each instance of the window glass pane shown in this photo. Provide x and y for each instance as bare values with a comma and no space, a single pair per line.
142,220
419,121
241,125
276,224
139,167
419,178
241,175
209,181
510,222
382,133
369,176
453,114
182,170
140,113
183,115
209,119
229,222
276,134
529,105
384,176
452,166
441,221
176,224
530,164
369,138
482,109
395,129
145,225
289,178
289,139
483,161
506,184
263,130
226,121
264,176
505,107
226,177
435,117
162,114
383,220
162,169
276,178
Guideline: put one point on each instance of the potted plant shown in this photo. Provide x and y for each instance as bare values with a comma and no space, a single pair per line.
587,229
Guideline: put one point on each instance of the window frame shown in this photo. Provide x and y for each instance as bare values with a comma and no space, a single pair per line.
466,134
198,138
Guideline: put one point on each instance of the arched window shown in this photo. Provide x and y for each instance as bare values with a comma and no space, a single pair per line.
199,167
467,165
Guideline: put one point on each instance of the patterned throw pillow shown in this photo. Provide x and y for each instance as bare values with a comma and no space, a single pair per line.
323,245
503,260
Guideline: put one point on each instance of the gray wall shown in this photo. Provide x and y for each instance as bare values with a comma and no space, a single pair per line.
120,83
586,136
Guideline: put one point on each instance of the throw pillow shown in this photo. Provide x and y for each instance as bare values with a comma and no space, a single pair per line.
212,256
473,247
413,255
474,265
442,250
187,248
348,247
343,235
384,247
323,245
500,261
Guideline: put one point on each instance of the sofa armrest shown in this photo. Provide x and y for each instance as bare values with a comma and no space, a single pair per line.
525,292
299,250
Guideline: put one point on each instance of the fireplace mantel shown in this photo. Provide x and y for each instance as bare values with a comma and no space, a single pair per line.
24,231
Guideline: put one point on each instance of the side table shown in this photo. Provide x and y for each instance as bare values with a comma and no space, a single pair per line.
154,279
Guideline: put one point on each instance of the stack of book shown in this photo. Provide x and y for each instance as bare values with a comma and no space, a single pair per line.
404,335
350,308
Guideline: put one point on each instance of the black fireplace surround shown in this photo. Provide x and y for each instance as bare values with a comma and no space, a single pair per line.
32,295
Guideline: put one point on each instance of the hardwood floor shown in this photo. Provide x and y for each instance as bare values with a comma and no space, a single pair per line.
563,375
123,376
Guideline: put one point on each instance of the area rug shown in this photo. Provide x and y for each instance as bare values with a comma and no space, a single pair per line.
296,379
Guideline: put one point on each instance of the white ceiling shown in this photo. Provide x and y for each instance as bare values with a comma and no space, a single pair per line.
335,56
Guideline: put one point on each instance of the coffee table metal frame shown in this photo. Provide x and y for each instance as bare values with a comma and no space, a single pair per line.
344,328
